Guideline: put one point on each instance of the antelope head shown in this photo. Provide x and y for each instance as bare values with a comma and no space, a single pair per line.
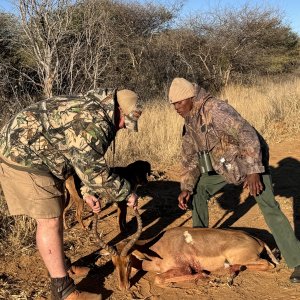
121,255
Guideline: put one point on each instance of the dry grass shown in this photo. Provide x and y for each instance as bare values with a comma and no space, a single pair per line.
16,233
273,108
158,139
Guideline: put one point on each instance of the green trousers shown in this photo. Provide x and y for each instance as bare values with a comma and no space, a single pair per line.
279,225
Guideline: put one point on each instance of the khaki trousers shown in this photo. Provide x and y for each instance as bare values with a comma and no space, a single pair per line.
36,194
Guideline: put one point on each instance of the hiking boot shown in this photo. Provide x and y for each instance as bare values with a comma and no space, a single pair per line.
65,289
62,287
295,277
75,271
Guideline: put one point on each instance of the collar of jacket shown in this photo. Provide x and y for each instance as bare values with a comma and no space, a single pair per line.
201,97
106,98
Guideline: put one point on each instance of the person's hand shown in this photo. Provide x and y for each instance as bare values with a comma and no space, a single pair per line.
133,200
93,203
254,184
183,199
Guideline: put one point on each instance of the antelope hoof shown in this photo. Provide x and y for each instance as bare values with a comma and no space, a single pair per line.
230,281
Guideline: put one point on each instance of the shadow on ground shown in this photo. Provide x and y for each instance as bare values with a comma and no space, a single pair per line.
162,210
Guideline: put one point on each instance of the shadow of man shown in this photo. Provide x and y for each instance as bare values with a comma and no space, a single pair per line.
286,179
157,213
230,201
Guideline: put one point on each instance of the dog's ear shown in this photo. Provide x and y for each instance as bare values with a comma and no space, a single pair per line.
148,168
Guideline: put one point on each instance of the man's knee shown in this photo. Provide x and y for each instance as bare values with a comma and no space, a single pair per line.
51,223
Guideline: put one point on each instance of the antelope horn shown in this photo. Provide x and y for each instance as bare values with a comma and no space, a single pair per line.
136,235
104,245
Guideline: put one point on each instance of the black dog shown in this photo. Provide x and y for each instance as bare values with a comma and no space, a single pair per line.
136,173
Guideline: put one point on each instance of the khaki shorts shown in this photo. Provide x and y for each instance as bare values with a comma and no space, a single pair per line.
35,194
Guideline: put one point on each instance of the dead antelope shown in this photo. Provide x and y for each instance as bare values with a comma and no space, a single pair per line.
183,253
136,173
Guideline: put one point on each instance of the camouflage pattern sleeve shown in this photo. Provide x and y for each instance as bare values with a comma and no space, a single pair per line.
63,134
190,169
87,143
226,119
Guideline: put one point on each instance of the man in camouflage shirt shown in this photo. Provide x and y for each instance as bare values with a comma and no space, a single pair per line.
221,147
47,142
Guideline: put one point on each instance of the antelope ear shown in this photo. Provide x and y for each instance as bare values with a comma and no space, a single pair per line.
140,255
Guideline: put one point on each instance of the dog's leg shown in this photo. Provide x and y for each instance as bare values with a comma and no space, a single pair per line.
121,214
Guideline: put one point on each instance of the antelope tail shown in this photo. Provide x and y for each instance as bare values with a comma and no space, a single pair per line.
271,255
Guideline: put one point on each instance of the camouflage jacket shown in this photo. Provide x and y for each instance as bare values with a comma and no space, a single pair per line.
234,146
64,135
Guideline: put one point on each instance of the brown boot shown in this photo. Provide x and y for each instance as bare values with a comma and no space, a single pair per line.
75,271
62,287
65,289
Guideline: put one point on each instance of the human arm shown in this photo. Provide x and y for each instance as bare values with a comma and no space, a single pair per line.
237,137
183,199
254,184
132,200
87,142
190,169
93,203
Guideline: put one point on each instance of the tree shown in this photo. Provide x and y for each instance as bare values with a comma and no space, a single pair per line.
14,77
241,42
70,46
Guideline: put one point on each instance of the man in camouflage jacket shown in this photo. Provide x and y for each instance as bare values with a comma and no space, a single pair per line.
47,142
219,147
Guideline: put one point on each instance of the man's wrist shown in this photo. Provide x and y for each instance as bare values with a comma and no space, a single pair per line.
131,194
89,196
187,191
85,196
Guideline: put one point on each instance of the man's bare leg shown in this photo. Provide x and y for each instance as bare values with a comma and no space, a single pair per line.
49,240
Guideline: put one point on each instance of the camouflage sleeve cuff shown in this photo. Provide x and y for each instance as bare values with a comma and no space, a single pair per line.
185,187
85,191
255,169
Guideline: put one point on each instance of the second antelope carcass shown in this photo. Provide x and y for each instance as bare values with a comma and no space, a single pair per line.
183,253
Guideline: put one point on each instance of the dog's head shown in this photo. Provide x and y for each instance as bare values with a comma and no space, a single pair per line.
139,172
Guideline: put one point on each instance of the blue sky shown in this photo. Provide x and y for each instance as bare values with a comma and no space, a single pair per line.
290,8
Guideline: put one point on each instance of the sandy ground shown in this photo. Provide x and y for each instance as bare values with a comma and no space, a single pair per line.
24,277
